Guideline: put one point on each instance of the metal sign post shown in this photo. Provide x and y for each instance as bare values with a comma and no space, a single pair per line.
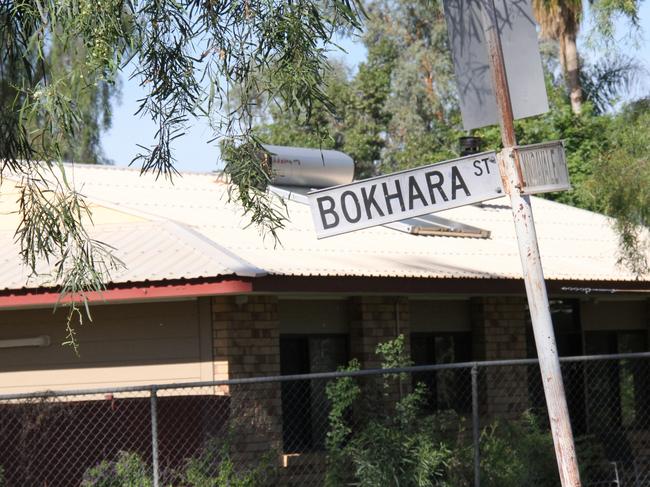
549,363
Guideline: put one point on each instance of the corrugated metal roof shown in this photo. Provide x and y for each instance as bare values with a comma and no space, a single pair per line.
150,250
188,229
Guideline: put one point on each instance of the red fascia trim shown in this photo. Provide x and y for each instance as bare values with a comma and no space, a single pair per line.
136,293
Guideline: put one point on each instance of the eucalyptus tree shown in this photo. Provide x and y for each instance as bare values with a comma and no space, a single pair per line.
93,104
621,183
188,55
399,110
423,107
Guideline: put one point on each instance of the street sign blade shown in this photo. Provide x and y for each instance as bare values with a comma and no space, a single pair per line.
543,167
405,194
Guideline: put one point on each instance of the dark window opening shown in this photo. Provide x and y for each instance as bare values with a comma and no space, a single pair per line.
304,402
621,381
605,397
447,389
617,390
565,314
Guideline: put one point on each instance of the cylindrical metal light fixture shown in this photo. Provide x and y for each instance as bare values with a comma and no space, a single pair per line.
312,168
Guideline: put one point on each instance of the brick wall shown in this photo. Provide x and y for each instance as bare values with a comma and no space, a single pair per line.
246,344
499,327
246,336
499,332
375,320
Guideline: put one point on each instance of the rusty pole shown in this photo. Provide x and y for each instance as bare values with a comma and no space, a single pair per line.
531,263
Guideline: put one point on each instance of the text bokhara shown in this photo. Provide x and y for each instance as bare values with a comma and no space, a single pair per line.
405,194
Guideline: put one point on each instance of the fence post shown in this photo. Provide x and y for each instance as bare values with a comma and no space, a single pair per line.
475,427
154,436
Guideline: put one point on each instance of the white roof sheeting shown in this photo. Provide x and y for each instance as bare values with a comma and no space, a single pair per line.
188,229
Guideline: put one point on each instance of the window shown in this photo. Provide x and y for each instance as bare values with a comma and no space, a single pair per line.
447,389
565,314
619,380
610,342
603,396
304,411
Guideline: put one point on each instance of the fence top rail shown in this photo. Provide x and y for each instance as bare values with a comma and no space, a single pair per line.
154,388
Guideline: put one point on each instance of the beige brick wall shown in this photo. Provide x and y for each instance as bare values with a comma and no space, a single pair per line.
499,327
375,320
246,344
499,332
246,336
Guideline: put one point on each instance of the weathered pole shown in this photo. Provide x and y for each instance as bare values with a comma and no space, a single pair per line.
531,263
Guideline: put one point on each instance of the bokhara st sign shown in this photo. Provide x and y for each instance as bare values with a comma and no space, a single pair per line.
405,194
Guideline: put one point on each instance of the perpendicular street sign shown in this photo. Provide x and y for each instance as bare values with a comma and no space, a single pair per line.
405,194
518,35
543,167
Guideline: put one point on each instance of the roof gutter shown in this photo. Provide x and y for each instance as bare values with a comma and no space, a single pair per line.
137,292
607,290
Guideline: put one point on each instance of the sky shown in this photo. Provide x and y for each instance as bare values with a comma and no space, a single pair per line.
193,153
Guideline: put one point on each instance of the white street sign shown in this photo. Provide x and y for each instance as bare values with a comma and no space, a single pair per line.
543,167
405,194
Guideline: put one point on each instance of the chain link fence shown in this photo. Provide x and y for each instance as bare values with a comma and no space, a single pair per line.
455,425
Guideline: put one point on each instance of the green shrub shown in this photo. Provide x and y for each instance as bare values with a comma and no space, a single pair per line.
214,467
128,470
521,453
592,459
396,445
379,437
518,454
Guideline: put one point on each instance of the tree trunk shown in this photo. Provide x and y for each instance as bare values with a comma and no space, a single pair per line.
571,66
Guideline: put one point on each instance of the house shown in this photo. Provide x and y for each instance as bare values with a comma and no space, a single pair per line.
203,296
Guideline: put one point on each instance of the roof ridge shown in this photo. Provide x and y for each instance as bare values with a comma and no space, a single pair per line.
114,167
71,166
111,205
241,266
